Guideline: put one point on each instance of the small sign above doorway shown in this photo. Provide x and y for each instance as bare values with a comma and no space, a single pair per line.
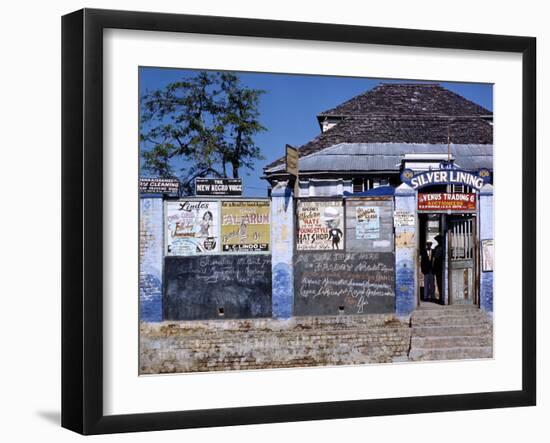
445,201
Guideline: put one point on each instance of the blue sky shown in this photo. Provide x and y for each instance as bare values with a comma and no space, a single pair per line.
289,107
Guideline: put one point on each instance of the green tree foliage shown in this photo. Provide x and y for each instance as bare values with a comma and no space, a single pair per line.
208,122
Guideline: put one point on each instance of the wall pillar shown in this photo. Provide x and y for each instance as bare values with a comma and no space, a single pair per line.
282,250
405,253
485,233
151,253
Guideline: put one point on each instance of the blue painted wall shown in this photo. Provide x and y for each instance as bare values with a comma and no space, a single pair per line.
405,254
486,233
282,250
150,256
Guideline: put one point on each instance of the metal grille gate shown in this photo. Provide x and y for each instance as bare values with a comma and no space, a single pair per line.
462,253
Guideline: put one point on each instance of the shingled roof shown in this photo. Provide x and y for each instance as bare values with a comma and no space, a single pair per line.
403,113
422,99
433,130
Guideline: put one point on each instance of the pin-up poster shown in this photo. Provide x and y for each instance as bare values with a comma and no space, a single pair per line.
320,225
192,227
245,226
368,222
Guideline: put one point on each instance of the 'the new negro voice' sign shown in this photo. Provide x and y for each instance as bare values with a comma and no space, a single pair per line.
442,201
218,186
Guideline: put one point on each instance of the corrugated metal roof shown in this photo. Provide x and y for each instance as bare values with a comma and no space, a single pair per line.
388,156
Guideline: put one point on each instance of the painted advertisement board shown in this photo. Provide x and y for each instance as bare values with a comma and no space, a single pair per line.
192,227
320,225
368,222
159,186
245,226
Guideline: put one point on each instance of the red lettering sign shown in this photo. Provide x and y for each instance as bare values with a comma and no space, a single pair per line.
442,201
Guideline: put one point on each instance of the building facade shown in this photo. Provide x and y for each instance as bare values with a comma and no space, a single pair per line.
428,154
393,170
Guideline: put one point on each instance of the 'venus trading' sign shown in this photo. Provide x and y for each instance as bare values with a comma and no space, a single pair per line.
442,201
245,226
192,227
218,186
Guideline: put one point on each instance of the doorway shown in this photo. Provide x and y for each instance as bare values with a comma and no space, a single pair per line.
457,274
430,276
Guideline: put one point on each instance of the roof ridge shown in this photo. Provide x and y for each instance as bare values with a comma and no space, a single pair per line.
407,100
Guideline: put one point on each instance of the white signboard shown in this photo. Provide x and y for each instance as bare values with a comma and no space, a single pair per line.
403,218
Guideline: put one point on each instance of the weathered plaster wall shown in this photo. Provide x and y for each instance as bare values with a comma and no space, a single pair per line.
151,245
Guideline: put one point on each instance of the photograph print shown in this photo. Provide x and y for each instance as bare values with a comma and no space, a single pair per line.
293,221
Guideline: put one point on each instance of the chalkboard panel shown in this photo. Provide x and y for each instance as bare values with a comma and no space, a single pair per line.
329,283
217,287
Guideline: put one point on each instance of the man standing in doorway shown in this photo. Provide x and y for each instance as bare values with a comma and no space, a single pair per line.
426,268
437,264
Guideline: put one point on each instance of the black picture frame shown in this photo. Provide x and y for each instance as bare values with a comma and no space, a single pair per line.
82,215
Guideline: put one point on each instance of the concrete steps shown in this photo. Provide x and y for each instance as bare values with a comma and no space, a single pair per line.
450,333
459,353
455,320
450,341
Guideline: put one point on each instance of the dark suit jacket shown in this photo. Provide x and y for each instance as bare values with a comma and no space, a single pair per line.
425,262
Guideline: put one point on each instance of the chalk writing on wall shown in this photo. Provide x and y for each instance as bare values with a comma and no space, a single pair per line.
245,226
320,225
217,287
351,283
192,227
368,222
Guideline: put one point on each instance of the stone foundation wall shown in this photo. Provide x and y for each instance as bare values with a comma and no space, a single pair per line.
220,345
